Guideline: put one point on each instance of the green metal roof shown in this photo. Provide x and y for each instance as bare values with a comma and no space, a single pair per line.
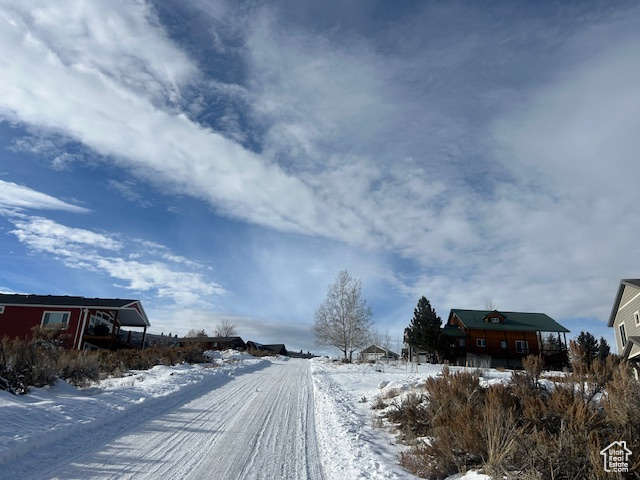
452,331
514,321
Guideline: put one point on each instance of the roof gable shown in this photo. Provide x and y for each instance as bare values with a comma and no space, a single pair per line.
624,283
512,321
130,312
63,300
378,349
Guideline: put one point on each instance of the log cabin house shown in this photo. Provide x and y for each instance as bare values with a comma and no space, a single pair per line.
493,338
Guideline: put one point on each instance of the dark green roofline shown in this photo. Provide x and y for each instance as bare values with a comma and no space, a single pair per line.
513,321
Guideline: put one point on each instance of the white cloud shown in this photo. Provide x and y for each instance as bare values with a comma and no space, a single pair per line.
130,190
21,197
349,199
501,164
51,237
142,271
93,101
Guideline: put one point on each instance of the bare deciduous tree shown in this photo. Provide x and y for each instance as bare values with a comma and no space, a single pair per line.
343,320
226,328
193,333
489,304
380,338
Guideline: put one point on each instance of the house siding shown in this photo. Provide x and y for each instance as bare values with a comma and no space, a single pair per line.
18,321
625,315
628,293
494,339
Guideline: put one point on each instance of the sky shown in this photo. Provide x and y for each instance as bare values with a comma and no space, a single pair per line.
224,160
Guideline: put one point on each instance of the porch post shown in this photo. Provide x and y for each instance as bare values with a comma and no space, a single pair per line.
540,343
506,341
144,334
84,325
113,330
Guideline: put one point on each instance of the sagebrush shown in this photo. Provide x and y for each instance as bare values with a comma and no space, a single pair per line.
525,429
42,360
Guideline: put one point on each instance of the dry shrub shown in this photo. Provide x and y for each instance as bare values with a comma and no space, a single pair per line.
449,418
501,432
456,427
560,438
26,363
391,393
378,404
523,430
621,405
417,461
533,365
118,362
79,368
42,360
410,416
261,353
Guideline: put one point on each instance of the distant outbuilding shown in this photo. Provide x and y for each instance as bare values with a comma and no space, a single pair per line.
375,352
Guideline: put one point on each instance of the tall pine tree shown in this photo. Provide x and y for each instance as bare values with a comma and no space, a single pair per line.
588,346
603,349
424,332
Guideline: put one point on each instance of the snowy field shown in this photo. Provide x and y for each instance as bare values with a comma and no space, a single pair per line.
243,418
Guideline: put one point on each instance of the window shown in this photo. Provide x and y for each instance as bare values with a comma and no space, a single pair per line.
55,319
100,318
461,342
481,342
636,316
495,320
1,308
522,346
623,334
503,344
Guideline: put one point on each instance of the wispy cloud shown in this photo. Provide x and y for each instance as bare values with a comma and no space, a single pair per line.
498,163
130,190
154,271
125,121
14,196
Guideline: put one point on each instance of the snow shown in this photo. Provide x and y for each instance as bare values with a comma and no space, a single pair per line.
239,416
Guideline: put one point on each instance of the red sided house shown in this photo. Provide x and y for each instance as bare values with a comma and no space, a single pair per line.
88,323
492,338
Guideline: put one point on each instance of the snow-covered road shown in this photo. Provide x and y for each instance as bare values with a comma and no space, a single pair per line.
258,425
245,418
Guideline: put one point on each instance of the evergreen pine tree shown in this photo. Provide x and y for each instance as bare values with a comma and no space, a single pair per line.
551,344
603,349
424,332
589,346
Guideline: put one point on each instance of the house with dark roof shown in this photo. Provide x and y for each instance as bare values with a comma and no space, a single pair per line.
274,348
374,353
86,323
625,319
215,343
277,348
497,338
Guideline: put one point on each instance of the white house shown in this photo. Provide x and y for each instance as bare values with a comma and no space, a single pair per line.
374,353
625,320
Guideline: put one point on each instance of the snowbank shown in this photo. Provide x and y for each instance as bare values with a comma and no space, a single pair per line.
344,394
49,414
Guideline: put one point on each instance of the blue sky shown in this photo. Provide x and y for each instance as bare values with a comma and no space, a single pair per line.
224,160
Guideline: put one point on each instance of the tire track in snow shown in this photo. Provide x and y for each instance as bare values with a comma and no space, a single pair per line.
258,425
279,441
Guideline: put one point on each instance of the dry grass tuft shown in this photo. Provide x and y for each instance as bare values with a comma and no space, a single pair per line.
522,430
